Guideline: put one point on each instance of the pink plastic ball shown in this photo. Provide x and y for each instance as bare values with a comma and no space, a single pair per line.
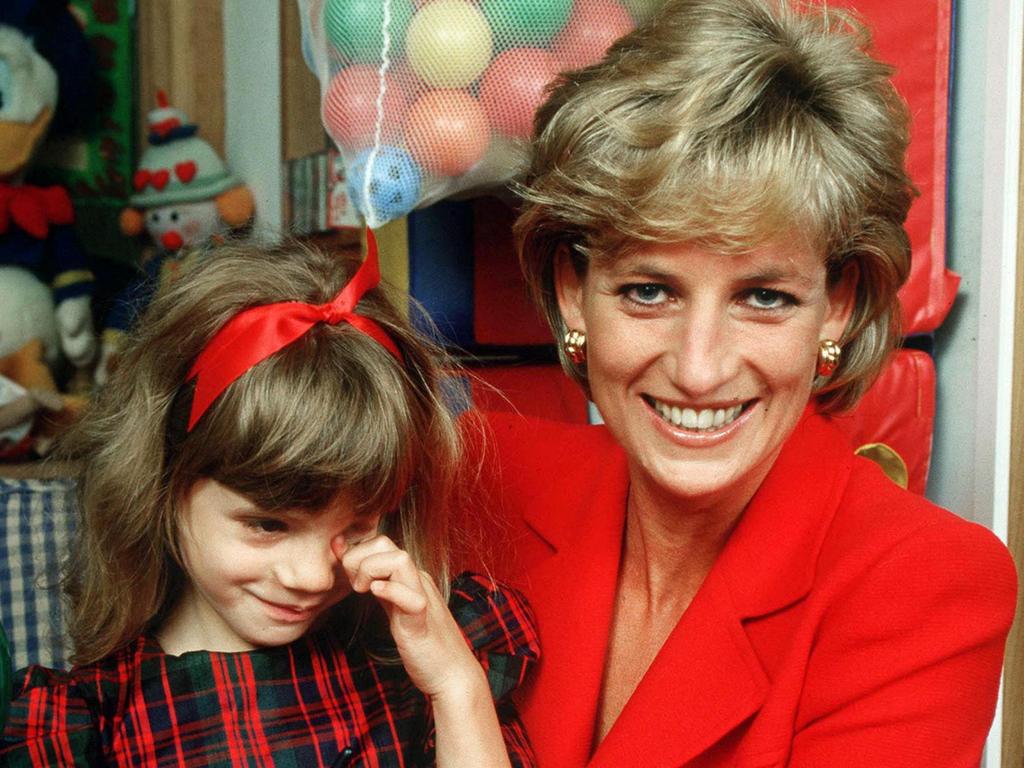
592,28
513,87
447,132
349,107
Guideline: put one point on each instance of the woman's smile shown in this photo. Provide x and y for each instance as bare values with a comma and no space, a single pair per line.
696,418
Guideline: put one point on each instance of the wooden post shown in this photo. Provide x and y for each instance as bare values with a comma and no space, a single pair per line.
1013,682
181,50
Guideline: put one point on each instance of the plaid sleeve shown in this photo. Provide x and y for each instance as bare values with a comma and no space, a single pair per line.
498,623
50,723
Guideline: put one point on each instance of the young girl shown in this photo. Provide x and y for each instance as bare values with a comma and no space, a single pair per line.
260,577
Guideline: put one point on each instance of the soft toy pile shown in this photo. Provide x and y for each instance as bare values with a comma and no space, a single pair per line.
46,284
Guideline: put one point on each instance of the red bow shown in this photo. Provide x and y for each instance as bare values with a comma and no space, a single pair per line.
34,209
255,334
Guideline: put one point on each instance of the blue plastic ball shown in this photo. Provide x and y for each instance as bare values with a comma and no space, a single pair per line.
395,181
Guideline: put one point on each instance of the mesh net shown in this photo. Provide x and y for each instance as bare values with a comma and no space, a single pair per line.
428,98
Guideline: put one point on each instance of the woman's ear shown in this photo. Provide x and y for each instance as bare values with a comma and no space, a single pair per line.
842,299
569,290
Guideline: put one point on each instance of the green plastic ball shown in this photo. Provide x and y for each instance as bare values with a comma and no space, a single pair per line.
526,22
356,28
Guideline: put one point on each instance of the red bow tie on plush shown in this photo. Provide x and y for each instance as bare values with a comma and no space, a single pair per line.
34,209
255,334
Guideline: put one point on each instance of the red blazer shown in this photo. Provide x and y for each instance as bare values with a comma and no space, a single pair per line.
846,623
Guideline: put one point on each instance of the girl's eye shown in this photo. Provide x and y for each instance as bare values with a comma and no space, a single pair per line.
359,532
647,294
266,525
766,298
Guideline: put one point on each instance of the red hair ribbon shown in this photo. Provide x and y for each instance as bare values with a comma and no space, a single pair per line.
255,334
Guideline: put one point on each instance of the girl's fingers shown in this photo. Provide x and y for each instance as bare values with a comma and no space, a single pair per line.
351,555
393,564
399,596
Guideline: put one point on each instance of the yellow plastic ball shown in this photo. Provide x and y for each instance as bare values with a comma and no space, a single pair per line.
449,43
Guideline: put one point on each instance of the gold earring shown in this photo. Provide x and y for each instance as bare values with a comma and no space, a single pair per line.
575,346
829,355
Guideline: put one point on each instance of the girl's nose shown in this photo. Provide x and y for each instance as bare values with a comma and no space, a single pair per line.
309,567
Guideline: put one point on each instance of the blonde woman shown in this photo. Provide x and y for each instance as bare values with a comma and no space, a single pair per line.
713,225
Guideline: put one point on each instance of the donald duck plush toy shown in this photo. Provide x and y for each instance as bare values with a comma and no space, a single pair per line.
46,82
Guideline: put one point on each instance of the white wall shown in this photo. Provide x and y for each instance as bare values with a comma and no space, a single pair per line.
973,352
252,103
974,348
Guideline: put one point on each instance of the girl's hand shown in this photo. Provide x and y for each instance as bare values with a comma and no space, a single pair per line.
435,654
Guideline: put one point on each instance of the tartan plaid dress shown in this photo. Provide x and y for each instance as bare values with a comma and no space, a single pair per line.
320,701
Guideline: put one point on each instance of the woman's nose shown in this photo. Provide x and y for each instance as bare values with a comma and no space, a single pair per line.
704,353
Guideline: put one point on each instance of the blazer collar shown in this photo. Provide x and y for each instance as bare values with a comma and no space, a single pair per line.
771,557
706,679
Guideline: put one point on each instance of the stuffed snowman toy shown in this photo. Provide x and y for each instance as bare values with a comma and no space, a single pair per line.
185,197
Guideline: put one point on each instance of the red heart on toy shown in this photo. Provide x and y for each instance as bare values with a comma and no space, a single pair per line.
160,178
185,171
140,179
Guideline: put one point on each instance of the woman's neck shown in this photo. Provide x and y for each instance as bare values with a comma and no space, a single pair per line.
670,544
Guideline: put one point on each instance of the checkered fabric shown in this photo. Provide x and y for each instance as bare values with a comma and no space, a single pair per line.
317,702
37,521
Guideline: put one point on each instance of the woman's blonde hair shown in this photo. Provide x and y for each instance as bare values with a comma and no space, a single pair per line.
730,123
332,412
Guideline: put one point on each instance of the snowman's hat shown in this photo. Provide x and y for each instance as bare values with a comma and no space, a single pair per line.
178,166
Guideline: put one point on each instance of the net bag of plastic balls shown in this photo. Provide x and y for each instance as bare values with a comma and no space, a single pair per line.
429,98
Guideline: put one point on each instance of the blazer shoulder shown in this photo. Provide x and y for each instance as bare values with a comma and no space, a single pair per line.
879,522
526,438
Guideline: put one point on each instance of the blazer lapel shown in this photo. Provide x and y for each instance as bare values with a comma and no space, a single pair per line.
704,682
572,594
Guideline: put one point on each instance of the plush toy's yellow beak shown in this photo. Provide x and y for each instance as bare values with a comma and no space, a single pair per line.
18,142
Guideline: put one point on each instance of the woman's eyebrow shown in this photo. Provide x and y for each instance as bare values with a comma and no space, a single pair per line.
777,275
627,268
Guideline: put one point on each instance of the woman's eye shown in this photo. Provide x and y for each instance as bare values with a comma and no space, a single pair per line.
766,298
646,293
266,525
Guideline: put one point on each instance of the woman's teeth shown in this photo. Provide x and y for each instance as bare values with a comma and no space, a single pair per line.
704,420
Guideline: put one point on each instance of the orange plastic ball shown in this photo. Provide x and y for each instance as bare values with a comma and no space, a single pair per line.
446,132
514,86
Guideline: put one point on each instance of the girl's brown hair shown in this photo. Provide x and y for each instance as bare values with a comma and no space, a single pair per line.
730,123
332,412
